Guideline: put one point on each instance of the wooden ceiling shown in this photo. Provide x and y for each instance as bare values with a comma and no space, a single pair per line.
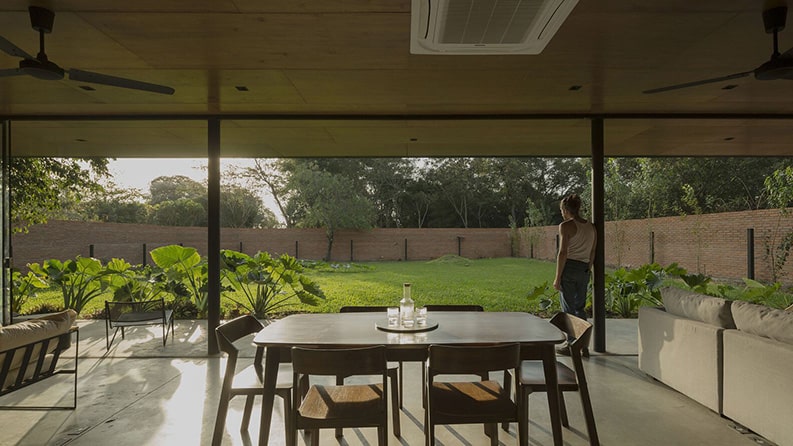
350,59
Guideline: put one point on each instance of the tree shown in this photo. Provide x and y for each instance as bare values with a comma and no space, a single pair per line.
180,212
779,186
112,205
40,186
329,201
271,175
174,188
240,208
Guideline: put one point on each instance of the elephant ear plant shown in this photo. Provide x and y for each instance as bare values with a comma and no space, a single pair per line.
267,284
138,283
80,280
23,288
186,273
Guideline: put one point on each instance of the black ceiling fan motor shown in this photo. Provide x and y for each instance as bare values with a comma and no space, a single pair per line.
41,19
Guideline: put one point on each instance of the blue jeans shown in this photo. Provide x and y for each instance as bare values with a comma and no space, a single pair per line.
575,279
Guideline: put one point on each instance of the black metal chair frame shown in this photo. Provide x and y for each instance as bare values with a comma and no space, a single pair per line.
36,353
141,313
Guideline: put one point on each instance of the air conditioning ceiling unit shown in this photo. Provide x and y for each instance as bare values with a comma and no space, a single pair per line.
485,26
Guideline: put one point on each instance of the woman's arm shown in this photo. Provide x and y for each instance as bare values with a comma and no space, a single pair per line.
594,244
561,257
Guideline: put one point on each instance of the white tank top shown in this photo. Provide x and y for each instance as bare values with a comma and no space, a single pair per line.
580,246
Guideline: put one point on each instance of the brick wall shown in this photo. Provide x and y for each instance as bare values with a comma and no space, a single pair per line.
714,244
67,239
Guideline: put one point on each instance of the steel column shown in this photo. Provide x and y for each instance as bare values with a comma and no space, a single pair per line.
598,218
213,235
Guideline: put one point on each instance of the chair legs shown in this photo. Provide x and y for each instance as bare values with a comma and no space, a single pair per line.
586,403
220,420
563,410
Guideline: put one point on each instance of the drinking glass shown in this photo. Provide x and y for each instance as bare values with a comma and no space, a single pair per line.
421,316
393,316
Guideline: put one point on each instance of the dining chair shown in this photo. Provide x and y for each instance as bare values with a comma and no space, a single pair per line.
394,371
472,402
247,381
531,375
317,406
121,315
436,307
445,307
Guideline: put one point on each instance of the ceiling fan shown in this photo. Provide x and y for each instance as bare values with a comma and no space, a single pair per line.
780,66
40,67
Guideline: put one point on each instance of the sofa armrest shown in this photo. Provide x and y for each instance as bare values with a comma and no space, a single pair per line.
757,384
683,354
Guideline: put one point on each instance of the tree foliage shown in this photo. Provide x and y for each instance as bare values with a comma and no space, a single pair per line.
327,200
40,186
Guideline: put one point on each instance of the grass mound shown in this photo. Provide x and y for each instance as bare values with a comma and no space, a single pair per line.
451,259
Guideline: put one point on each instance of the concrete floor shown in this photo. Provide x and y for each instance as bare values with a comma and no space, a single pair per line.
141,393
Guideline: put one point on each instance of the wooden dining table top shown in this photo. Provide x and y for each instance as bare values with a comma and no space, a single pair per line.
360,329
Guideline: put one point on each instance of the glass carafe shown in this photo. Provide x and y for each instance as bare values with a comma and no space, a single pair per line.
406,307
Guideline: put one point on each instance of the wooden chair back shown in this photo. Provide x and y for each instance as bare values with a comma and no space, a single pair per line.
363,309
433,307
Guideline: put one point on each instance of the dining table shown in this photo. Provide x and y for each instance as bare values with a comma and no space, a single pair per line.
536,336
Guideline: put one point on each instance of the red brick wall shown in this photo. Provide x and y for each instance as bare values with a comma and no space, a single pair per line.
714,244
67,239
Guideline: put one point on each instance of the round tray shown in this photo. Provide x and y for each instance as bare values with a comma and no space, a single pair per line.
431,325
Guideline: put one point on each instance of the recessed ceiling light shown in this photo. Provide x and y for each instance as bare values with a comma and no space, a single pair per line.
575,87
81,140
729,138
87,88
241,88
413,139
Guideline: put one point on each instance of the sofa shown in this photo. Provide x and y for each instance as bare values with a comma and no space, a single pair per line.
29,350
736,358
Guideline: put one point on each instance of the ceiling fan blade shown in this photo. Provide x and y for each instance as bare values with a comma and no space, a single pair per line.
13,50
11,72
114,81
701,82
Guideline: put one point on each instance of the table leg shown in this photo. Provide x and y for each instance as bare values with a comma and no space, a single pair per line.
271,362
552,384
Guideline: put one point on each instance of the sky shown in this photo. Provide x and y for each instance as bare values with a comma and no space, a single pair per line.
138,172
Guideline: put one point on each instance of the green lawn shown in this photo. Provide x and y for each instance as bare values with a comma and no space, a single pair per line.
496,284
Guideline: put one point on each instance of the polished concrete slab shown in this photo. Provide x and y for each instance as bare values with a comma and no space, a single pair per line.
141,393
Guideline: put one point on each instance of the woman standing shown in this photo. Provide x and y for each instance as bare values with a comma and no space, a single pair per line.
577,240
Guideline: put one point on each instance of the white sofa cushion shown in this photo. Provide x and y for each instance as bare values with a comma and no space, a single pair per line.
757,385
22,333
682,353
699,307
763,321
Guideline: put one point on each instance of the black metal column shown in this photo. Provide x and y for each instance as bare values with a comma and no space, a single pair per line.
598,218
5,224
213,234
750,253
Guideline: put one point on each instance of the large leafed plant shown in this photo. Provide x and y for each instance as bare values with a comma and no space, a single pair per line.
268,284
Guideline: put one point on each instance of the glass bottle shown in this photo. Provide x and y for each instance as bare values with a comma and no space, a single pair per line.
406,307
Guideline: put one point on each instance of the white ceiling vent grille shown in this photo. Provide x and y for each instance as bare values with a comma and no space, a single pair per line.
485,26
